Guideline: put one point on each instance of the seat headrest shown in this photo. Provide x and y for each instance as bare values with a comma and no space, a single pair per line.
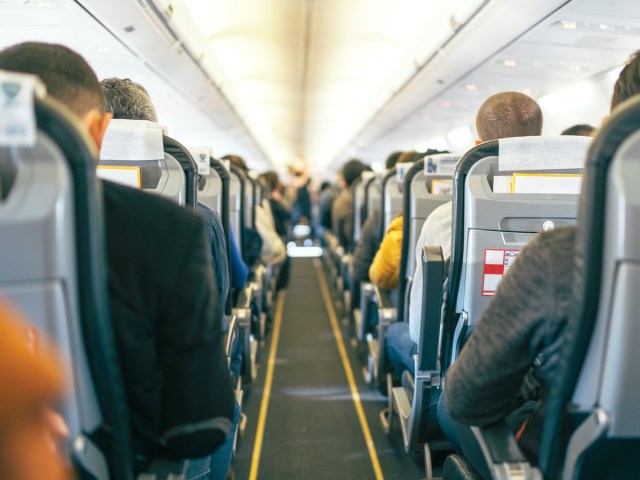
441,164
133,140
559,152
17,110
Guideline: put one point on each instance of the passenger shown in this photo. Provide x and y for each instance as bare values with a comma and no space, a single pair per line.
273,251
282,217
128,100
328,194
163,297
517,340
29,429
369,241
385,267
342,207
301,183
582,130
507,114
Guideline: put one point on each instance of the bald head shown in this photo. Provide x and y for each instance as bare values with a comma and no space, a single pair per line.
508,114
67,76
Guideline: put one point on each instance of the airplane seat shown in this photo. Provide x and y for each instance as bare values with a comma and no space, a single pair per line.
592,426
505,192
189,167
51,222
457,468
133,154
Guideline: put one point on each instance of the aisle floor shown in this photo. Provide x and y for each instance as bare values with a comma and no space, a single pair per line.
312,430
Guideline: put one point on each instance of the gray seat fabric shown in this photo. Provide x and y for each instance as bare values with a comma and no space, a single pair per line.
54,271
592,426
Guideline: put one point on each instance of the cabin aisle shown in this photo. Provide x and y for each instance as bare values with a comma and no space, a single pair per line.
312,429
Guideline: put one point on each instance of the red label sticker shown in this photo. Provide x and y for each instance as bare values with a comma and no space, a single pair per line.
496,263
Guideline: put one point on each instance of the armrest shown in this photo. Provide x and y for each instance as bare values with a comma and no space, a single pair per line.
502,454
165,469
387,311
231,337
244,297
432,275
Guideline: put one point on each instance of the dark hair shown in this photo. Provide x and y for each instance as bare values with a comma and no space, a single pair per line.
128,100
508,114
582,129
352,170
237,161
407,156
392,159
272,179
67,76
628,83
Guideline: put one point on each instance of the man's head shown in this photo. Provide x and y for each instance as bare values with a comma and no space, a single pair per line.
237,161
391,160
68,78
352,170
128,100
582,129
508,114
628,83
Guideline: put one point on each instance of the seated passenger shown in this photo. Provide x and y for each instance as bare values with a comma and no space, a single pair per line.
516,343
342,206
369,241
582,129
385,268
128,100
282,217
507,114
29,429
163,296
272,251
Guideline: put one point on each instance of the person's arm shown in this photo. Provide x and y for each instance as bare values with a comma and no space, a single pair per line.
481,386
239,270
197,403
385,269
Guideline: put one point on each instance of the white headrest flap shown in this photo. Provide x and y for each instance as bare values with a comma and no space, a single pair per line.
17,112
133,140
441,163
558,152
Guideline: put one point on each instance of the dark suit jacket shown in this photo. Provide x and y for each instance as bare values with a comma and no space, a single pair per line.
166,315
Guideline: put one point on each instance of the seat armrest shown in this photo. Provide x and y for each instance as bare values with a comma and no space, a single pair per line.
244,297
504,458
387,311
231,337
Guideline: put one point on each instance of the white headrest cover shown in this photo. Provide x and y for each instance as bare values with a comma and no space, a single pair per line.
558,152
132,140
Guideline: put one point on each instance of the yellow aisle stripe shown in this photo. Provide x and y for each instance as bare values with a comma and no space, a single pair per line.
264,405
349,372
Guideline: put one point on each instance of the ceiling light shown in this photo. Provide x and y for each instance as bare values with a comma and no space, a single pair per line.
461,138
471,87
574,68
378,167
510,63
446,104
421,147
569,25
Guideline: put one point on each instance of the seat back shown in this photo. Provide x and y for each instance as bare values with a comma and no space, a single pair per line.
250,199
490,228
391,195
189,167
133,153
592,423
54,270
236,205
427,185
359,202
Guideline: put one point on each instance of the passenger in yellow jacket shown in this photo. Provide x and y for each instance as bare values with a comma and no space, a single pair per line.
385,269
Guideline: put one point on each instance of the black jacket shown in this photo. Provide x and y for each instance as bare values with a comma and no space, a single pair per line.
166,315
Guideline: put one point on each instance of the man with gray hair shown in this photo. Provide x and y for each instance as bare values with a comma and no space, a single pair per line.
128,100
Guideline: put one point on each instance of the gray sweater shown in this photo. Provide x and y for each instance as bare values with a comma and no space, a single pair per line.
521,330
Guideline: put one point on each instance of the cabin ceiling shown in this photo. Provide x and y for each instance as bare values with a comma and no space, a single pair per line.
284,80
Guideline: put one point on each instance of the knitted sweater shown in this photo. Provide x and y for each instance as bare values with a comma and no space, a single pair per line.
521,329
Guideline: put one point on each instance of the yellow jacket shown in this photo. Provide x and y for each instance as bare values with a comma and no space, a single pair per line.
385,269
